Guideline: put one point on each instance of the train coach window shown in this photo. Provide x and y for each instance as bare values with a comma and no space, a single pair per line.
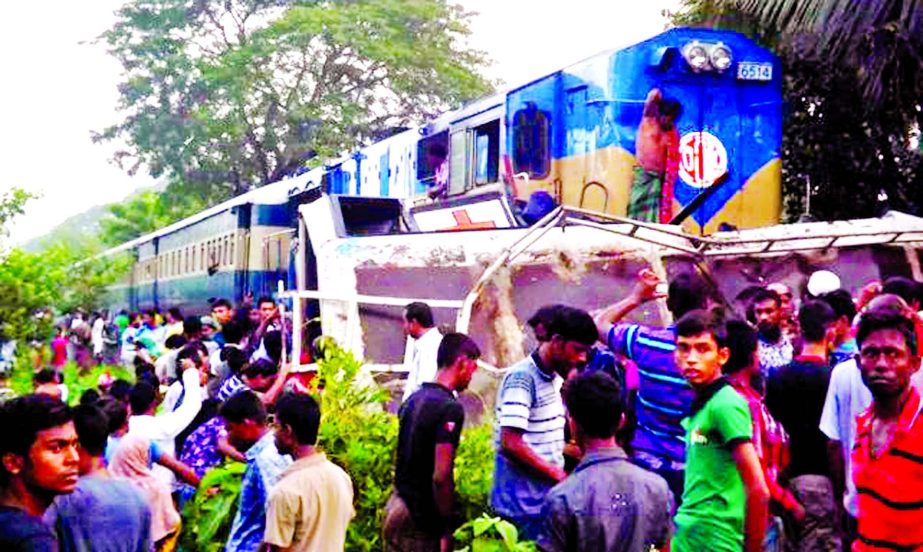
531,142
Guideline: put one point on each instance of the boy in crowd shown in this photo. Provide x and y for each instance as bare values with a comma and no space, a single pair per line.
418,516
725,498
529,431
608,503
38,461
309,508
162,429
103,513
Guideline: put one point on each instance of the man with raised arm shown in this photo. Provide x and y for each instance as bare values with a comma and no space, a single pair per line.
656,160
664,396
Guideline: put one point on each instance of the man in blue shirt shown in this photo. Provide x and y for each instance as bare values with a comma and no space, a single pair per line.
664,397
245,420
607,503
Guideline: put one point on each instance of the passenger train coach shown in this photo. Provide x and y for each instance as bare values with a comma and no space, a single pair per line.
571,134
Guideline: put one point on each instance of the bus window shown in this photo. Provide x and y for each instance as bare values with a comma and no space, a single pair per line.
531,142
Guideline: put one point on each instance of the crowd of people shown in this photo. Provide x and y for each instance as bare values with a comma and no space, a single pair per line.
771,422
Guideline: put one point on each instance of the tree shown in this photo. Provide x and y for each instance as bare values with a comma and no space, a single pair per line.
849,146
224,95
881,40
12,204
144,213
60,278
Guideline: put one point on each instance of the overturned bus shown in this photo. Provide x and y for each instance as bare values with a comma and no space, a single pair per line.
487,282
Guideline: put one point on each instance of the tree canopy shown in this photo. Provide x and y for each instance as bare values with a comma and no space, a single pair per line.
846,138
223,95
145,212
62,276
882,40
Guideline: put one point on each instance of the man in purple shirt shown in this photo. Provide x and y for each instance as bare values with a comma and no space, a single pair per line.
664,397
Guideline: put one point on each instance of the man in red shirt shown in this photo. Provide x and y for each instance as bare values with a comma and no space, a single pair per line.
887,460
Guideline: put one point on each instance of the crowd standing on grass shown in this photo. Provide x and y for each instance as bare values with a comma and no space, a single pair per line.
781,423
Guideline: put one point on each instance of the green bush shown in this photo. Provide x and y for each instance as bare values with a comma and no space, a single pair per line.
207,518
359,435
474,471
490,534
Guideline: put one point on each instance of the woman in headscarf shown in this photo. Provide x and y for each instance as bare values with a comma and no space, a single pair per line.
132,461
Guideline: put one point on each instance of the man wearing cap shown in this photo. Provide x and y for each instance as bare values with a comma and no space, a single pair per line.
821,282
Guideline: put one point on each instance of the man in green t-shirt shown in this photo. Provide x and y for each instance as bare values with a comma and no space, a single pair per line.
725,497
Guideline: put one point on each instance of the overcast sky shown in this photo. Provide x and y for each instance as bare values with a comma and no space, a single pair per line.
57,87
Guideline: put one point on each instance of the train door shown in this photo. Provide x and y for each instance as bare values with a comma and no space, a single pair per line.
474,151
574,167
155,276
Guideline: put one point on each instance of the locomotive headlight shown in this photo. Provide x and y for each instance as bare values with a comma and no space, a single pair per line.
696,56
721,57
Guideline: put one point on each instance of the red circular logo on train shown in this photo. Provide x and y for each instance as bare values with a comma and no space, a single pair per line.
703,159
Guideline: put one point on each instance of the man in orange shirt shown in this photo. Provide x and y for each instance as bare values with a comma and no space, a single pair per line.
887,460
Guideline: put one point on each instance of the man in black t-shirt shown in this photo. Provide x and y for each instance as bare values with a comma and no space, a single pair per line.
38,460
418,515
795,396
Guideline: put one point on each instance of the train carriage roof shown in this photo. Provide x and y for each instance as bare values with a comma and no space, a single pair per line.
276,193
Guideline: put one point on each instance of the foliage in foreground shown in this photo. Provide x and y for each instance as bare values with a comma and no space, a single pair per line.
358,434
208,516
490,534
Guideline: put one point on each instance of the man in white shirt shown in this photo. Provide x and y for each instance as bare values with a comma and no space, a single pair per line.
96,336
163,428
420,357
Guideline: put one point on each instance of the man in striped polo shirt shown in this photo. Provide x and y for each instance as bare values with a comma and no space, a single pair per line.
529,431
887,460
664,396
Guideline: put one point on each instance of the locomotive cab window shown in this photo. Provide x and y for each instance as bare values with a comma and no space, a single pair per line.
531,142
486,153
432,153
